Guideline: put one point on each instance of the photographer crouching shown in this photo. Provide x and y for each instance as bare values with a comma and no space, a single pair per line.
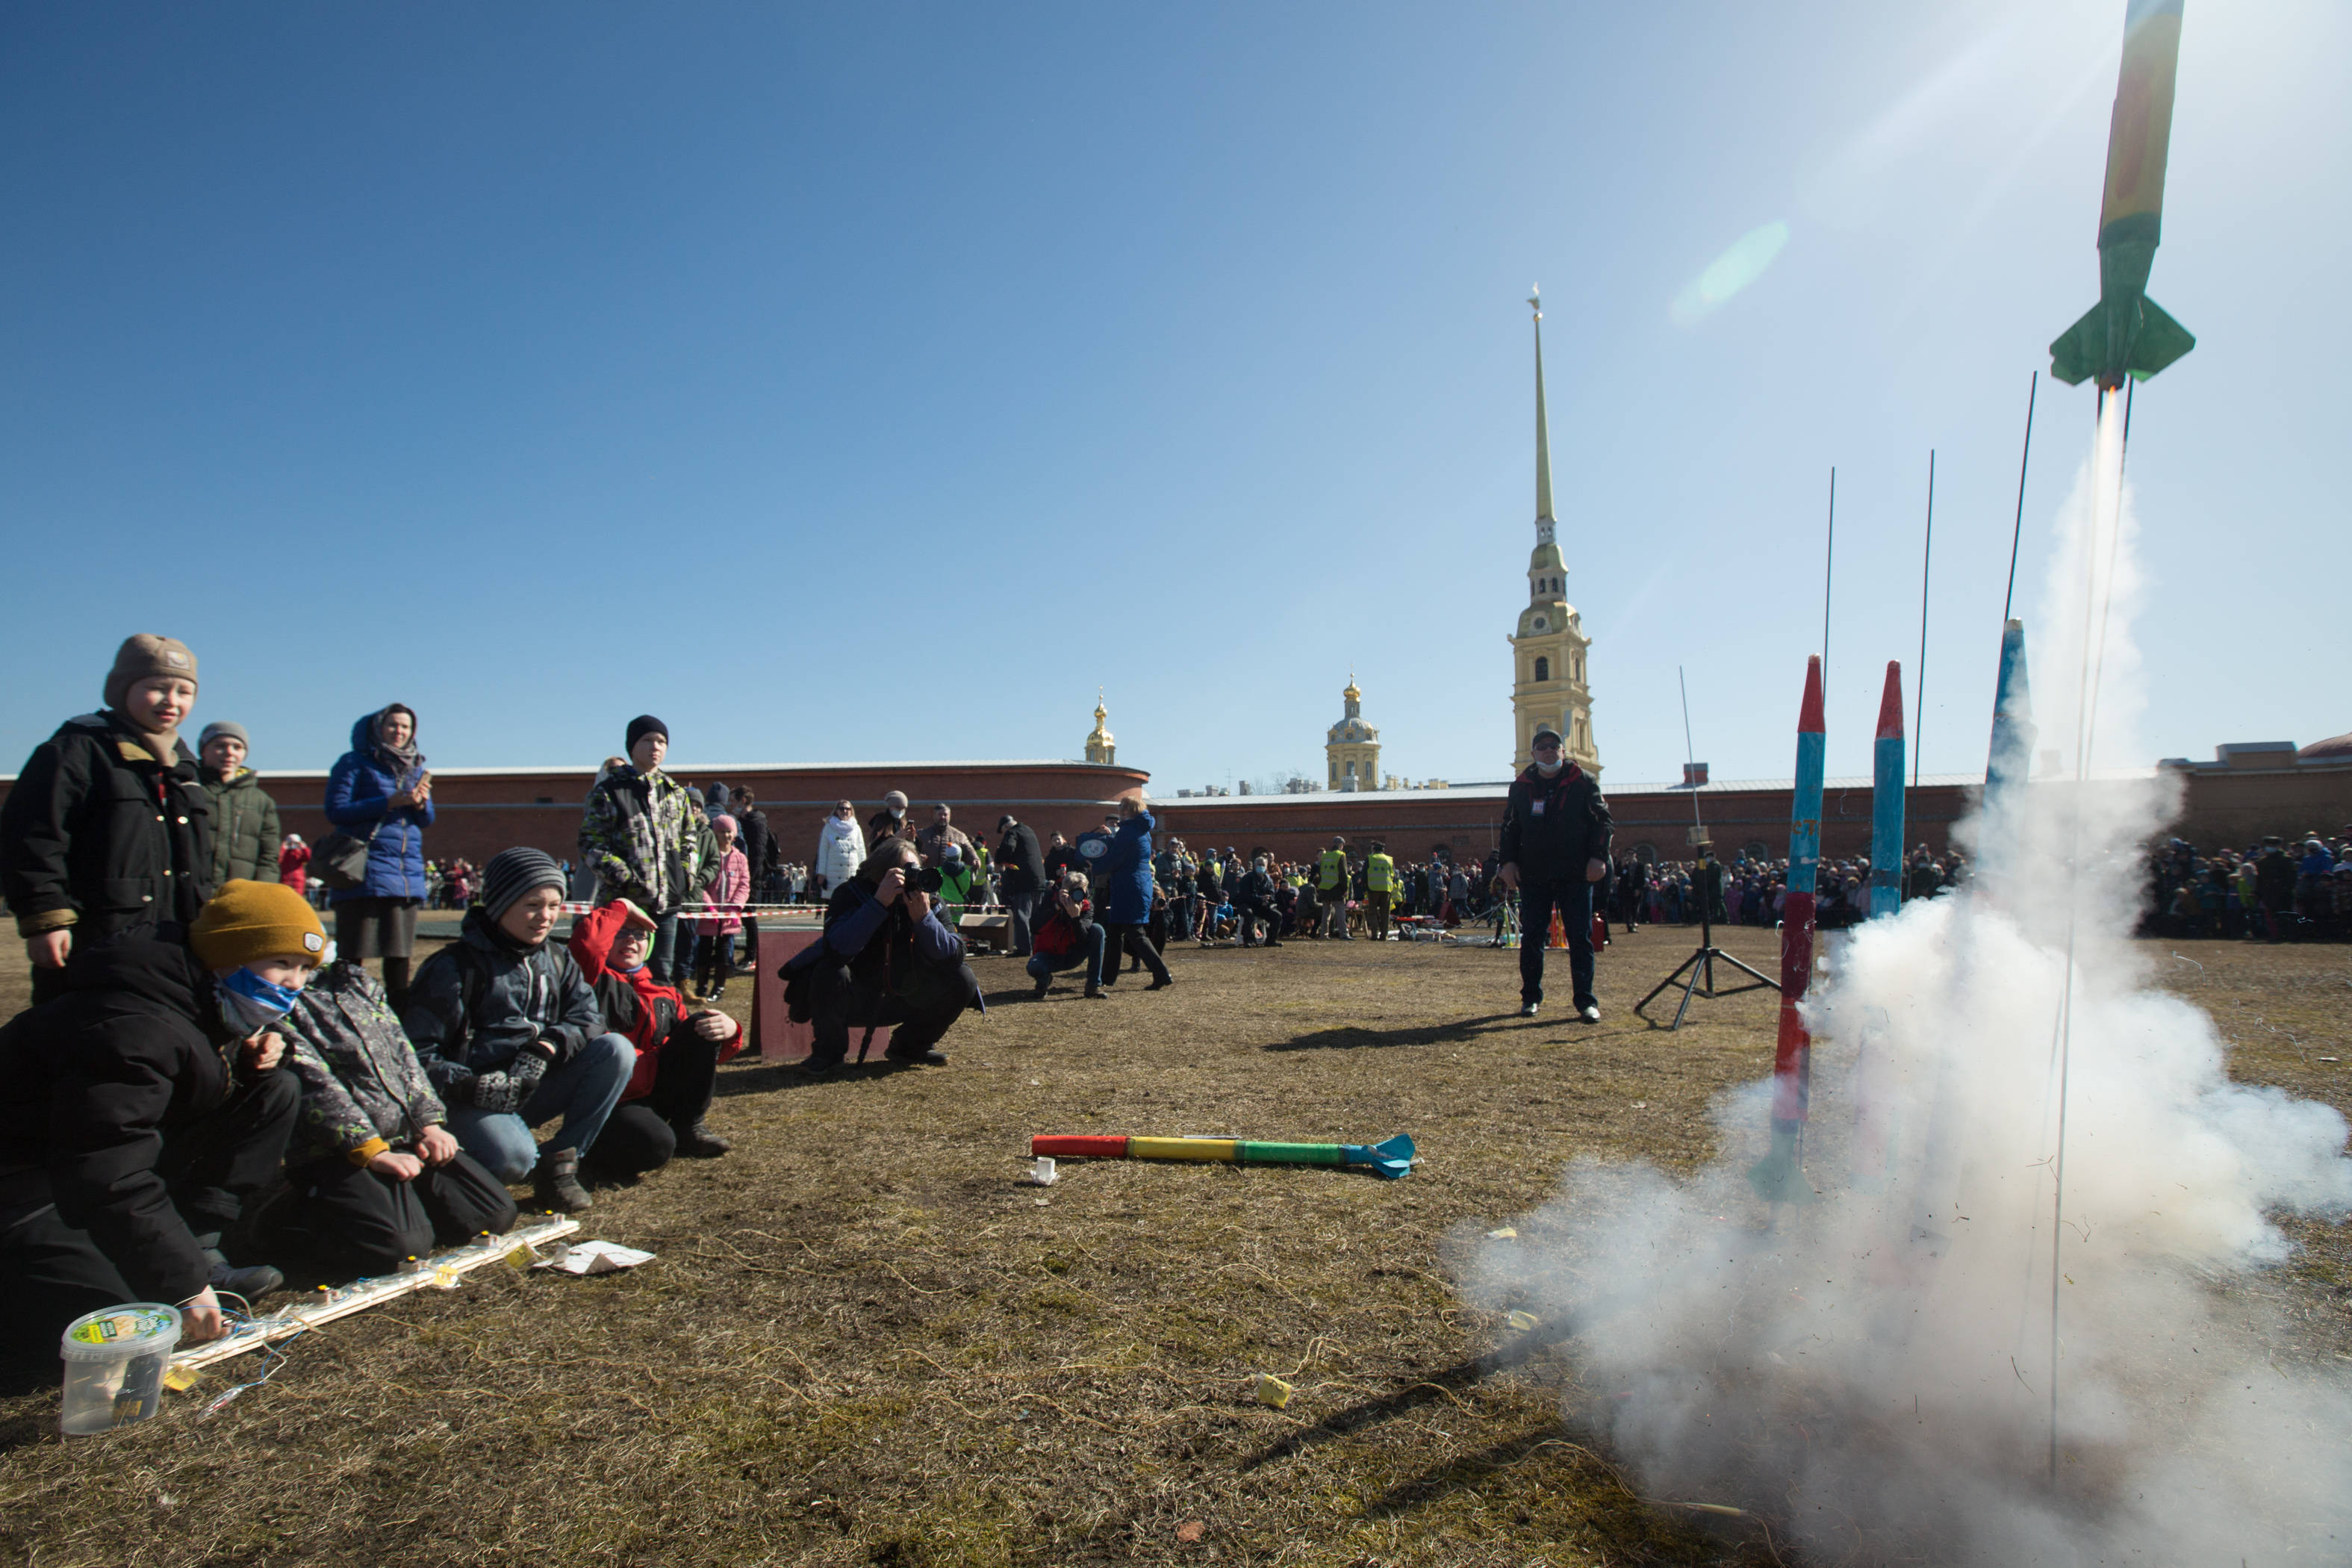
885,961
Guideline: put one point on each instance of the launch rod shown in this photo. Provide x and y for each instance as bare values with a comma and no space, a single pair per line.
1926,559
1829,572
2016,530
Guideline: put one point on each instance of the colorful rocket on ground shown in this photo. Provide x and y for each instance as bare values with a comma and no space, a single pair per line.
2125,333
1390,1159
2011,760
1886,801
1778,1177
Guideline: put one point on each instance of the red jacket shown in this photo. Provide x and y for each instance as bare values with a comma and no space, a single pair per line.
636,1005
291,859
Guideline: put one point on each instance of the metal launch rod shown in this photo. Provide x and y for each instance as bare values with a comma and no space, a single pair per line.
2017,531
1926,559
1829,571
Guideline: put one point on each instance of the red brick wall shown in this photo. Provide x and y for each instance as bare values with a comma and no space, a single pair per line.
479,814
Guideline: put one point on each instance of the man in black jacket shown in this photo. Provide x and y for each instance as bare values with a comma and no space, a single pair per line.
1555,848
884,959
108,830
138,1112
1021,872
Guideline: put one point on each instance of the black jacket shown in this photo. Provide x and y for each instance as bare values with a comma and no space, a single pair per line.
100,835
1020,860
759,847
879,947
90,1085
1553,826
1254,893
476,1004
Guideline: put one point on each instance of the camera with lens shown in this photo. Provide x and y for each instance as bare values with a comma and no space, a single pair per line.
923,879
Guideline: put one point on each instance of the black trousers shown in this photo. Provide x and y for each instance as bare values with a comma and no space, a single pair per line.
640,1135
1021,904
51,1272
921,1007
1573,899
1130,940
374,1223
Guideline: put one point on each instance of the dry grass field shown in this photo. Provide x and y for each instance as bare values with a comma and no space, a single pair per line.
866,1340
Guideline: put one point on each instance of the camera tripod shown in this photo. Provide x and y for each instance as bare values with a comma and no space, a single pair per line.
1701,966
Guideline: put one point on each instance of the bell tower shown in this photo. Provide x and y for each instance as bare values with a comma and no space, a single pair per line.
1548,651
1100,748
1352,748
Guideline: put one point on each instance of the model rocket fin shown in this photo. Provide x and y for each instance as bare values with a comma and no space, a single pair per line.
2129,336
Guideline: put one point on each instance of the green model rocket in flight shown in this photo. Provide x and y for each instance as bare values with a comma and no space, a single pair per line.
2125,333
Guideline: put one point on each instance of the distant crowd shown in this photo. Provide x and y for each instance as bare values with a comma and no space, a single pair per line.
2276,890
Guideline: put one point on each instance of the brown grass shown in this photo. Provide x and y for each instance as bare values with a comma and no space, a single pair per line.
866,1340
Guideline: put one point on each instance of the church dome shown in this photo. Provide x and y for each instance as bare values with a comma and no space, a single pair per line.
2335,749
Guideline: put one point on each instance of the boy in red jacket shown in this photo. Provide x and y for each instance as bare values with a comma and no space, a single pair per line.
662,1105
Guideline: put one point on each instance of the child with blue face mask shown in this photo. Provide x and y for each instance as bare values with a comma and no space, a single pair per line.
139,1112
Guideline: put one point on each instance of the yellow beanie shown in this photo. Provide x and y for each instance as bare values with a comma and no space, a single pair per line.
248,922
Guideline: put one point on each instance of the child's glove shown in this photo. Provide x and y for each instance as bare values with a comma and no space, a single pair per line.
507,1090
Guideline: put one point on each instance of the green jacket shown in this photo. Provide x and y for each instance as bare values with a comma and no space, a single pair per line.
244,829
648,839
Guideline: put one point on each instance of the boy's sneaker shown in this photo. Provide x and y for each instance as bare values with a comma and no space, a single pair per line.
1526,1009
1589,1011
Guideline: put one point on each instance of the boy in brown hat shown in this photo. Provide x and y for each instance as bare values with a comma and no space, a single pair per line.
107,831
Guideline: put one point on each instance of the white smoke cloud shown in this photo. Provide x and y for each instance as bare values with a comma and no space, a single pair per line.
1872,1372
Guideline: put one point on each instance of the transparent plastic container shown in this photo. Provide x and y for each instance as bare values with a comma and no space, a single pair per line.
114,1365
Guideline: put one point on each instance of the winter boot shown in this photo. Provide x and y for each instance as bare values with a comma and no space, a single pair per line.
556,1183
252,1282
700,1142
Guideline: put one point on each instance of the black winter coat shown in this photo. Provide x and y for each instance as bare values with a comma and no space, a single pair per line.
476,1004
1551,827
100,835
90,1085
1020,860
759,847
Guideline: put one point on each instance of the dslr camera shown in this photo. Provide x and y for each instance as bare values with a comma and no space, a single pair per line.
923,879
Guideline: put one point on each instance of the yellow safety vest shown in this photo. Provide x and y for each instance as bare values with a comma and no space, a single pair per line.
1380,874
1331,870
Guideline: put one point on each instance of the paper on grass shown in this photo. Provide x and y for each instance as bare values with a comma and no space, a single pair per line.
595,1258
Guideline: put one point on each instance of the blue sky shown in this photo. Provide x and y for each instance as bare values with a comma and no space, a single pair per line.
854,383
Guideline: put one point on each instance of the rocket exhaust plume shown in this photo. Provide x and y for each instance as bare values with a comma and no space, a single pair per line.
1871,1373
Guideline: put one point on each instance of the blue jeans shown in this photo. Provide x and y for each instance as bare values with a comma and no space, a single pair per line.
1042,966
582,1091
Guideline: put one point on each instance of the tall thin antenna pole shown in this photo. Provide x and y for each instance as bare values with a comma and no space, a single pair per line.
2018,531
1829,571
1926,559
1690,753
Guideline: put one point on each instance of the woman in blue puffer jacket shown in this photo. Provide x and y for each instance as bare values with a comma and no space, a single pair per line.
381,791
1125,879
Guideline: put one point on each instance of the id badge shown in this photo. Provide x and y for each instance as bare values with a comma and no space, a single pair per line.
1535,807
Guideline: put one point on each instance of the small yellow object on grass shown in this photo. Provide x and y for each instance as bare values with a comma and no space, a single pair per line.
1273,1391
1522,1322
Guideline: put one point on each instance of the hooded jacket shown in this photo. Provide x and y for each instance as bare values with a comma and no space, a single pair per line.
244,829
1551,827
1020,859
474,1005
100,834
840,850
648,838
364,1088
633,1003
358,791
1126,871
90,1085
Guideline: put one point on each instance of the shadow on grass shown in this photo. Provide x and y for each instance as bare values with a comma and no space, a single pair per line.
1437,1385
769,1077
1348,1038
1470,1470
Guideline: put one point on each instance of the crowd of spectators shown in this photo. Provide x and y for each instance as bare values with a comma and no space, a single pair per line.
2280,889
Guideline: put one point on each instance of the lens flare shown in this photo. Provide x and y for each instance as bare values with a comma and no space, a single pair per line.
1747,260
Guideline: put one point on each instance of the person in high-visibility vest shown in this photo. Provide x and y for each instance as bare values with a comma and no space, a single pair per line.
1331,889
1380,890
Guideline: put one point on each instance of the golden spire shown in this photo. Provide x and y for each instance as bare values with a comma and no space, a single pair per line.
1100,746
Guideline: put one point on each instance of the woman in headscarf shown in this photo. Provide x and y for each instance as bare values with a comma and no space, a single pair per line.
380,792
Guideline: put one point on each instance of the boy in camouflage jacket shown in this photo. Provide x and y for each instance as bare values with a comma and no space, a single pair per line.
645,837
379,1178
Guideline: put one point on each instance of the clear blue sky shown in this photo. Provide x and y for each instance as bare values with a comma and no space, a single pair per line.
854,382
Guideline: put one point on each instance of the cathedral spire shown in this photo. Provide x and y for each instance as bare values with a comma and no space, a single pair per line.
1543,433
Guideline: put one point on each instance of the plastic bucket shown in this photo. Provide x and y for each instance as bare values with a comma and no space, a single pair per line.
114,1364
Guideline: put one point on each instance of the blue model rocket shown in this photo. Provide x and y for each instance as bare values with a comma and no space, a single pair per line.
1886,801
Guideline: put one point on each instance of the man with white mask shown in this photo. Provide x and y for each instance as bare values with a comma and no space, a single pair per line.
1555,848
